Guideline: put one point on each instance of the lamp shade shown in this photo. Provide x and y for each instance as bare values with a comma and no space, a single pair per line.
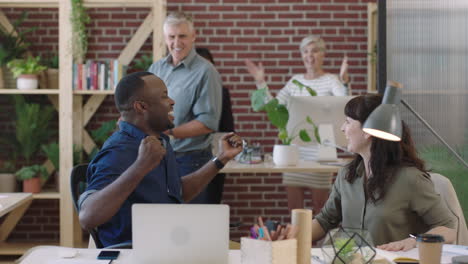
385,121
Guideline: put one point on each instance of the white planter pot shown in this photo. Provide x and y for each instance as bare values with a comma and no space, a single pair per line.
7,182
27,82
285,155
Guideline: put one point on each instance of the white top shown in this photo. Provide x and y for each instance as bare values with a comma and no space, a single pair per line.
327,84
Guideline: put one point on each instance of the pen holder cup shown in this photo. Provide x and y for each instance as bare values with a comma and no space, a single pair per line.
254,251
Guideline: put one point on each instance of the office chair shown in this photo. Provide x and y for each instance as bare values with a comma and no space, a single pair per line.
78,185
444,187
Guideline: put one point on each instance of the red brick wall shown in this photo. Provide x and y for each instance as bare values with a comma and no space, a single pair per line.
267,31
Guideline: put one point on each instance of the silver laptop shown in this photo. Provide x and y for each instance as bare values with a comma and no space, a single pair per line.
180,233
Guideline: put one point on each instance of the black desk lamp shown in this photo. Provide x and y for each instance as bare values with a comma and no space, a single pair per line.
385,121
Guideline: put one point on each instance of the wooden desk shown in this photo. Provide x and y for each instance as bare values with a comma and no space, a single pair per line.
51,254
11,201
15,204
270,167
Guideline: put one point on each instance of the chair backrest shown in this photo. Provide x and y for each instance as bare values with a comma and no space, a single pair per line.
444,187
78,185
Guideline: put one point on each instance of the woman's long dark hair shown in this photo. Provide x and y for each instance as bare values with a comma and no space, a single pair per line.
386,156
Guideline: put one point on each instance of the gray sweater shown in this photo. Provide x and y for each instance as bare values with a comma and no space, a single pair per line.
410,206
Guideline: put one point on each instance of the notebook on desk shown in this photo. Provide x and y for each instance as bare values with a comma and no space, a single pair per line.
180,234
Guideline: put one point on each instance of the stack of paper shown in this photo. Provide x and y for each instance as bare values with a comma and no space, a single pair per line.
412,256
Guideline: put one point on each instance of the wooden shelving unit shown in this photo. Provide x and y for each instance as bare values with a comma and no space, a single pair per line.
35,91
93,92
47,195
73,114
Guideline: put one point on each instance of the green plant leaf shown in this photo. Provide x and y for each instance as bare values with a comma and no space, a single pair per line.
79,18
304,136
12,43
143,63
283,136
33,171
52,152
311,91
101,134
30,65
345,247
279,116
271,105
316,129
301,86
32,126
257,99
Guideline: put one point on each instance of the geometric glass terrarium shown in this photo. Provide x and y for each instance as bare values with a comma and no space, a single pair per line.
345,245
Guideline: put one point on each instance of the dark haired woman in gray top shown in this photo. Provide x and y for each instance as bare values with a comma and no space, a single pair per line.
385,189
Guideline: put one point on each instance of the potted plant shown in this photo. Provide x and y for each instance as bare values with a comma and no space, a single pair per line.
284,154
79,18
31,177
32,128
26,71
101,134
53,153
7,176
143,63
12,46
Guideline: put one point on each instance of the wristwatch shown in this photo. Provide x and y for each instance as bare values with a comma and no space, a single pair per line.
219,164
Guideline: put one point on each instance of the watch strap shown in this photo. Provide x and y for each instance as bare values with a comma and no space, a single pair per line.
219,164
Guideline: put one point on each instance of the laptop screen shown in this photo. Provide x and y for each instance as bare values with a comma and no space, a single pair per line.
180,233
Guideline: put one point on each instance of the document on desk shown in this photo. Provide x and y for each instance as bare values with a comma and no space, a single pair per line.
412,256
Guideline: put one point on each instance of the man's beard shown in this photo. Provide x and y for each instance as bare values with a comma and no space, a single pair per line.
158,128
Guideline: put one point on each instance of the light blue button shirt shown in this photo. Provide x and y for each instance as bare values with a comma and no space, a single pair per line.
196,87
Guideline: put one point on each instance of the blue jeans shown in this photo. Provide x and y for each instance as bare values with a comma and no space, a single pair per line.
194,160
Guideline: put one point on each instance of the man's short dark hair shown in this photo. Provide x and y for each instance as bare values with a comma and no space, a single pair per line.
129,89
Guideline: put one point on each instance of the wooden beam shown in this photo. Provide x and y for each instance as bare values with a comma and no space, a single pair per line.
88,142
91,107
53,98
5,23
78,120
159,15
67,221
12,219
134,45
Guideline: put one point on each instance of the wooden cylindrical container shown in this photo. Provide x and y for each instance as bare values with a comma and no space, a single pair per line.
302,219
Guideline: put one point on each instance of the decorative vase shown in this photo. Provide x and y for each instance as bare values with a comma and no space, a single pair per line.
52,78
27,82
7,182
285,155
7,81
32,185
345,245
49,79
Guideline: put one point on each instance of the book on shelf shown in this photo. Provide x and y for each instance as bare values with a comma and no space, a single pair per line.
98,75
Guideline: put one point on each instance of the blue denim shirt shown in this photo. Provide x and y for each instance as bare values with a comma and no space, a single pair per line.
161,185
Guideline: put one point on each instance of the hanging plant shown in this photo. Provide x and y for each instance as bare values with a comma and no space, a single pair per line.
79,19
